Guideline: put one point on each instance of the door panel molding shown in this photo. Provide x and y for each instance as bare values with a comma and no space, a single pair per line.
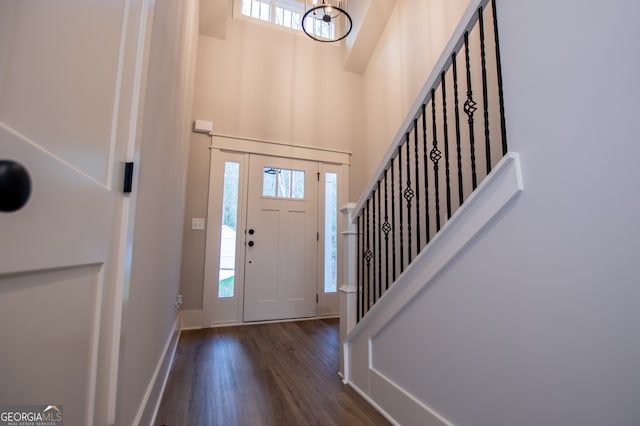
49,356
56,239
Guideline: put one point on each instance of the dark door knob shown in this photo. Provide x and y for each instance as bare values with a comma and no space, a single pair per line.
251,243
15,186
251,232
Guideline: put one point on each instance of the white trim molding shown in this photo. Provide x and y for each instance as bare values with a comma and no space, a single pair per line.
279,149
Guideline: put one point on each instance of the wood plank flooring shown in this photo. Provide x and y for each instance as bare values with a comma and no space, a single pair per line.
268,374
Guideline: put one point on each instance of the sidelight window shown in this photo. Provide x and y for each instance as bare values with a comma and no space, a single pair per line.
330,232
226,273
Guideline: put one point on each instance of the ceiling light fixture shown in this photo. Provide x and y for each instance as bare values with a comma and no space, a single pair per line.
326,20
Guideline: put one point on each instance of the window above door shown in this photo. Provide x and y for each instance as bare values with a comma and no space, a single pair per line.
282,13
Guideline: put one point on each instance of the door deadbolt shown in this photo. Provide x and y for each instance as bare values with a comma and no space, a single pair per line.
251,243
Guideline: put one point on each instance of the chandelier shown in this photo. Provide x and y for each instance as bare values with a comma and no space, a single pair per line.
326,20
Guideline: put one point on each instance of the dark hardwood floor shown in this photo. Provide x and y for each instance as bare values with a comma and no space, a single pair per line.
267,374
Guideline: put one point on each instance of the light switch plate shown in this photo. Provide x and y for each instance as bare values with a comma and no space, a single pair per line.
197,223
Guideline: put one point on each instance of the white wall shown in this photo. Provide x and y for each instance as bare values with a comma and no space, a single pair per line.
266,83
412,41
536,322
149,316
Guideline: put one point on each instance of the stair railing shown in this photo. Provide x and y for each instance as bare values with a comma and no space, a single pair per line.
437,159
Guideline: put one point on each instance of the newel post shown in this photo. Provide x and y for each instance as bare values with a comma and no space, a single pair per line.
348,303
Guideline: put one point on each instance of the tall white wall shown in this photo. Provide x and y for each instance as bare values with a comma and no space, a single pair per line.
413,39
536,321
266,83
149,316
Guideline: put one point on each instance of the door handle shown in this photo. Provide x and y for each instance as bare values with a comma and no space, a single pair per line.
15,186
251,243
251,232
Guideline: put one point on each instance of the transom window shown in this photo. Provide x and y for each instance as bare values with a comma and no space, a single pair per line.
285,13
283,183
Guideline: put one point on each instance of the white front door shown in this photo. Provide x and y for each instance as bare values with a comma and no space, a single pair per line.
71,73
282,239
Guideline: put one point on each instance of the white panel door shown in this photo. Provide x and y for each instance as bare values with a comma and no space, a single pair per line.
281,241
71,75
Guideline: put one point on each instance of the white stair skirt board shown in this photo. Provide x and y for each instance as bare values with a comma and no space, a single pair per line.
406,409
492,195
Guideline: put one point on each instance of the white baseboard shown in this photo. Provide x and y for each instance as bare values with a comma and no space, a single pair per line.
193,320
155,389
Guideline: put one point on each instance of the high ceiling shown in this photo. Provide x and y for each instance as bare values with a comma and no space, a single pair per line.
369,17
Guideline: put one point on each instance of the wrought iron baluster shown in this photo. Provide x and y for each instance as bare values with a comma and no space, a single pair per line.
457,115
426,174
374,232
408,196
470,107
446,144
417,184
359,298
503,126
435,155
367,257
393,221
401,228
379,246
386,228
485,92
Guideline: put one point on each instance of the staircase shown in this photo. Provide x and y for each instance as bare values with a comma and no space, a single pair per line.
446,175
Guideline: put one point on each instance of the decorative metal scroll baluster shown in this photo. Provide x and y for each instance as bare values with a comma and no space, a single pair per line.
379,247
386,228
393,221
396,222
417,167
435,155
425,164
503,125
367,257
470,107
408,195
457,115
446,144
359,277
374,232
400,210
485,92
